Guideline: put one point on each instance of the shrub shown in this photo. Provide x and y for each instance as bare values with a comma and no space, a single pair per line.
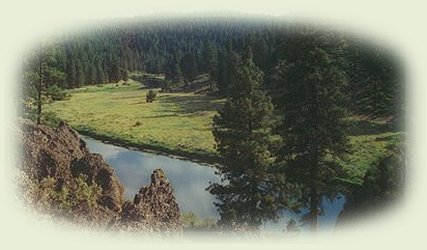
151,96
190,220
48,196
166,86
85,193
29,108
56,93
50,119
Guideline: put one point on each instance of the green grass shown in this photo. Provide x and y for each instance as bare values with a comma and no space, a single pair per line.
180,123
177,122
369,141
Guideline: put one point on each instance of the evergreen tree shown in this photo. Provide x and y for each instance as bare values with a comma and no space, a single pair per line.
222,72
261,52
80,74
308,94
92,74
125,76
243,131
373,86
115,73
227,73
41,72
173,72
71,73
210,60
42,67
100,74
189,66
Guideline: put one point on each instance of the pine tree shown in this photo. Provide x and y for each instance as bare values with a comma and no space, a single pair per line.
41,71
189,66
308,95
115,73
226,71
100,74
244,137
42,66
173,72
209,59
373,86
222,72
92,74
80,74
71,73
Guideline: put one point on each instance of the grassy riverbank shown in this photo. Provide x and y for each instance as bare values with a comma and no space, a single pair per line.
178,123
181,124
370,141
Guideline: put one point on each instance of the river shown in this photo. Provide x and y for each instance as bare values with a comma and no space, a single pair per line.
189,180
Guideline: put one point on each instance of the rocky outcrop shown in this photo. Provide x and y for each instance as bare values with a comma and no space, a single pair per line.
56,159
154,203
61,154
48,151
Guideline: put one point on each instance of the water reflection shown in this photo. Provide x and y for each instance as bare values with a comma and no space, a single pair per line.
326,221
188,179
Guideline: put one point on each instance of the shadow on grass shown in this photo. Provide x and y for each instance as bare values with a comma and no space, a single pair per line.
159,116
366,127
192,104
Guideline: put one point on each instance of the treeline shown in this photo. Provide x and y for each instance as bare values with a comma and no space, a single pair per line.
183,48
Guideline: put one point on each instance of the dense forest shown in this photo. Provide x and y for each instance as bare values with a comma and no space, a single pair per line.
290,91
183,49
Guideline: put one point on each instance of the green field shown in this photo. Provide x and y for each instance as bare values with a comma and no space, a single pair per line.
180,123
176,122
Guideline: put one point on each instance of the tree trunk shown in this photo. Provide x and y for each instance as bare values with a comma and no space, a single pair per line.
39,87
314,160
313,192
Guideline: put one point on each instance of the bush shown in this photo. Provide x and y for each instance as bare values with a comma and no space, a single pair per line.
29,108
85,193
190,220
151,96
166,86
49,196
56,93
50,119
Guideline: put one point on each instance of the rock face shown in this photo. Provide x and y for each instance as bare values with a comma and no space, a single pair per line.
61,155
154,203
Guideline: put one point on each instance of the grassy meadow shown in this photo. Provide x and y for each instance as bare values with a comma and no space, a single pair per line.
176,122
181,123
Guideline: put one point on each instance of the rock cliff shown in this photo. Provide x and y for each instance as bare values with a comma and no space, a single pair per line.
64,178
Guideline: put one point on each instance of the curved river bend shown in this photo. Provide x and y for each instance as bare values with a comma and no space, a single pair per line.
188,179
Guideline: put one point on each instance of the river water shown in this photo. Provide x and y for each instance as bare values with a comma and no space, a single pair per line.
189,180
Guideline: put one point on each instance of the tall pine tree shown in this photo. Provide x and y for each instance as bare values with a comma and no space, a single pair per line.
243,131
308,94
